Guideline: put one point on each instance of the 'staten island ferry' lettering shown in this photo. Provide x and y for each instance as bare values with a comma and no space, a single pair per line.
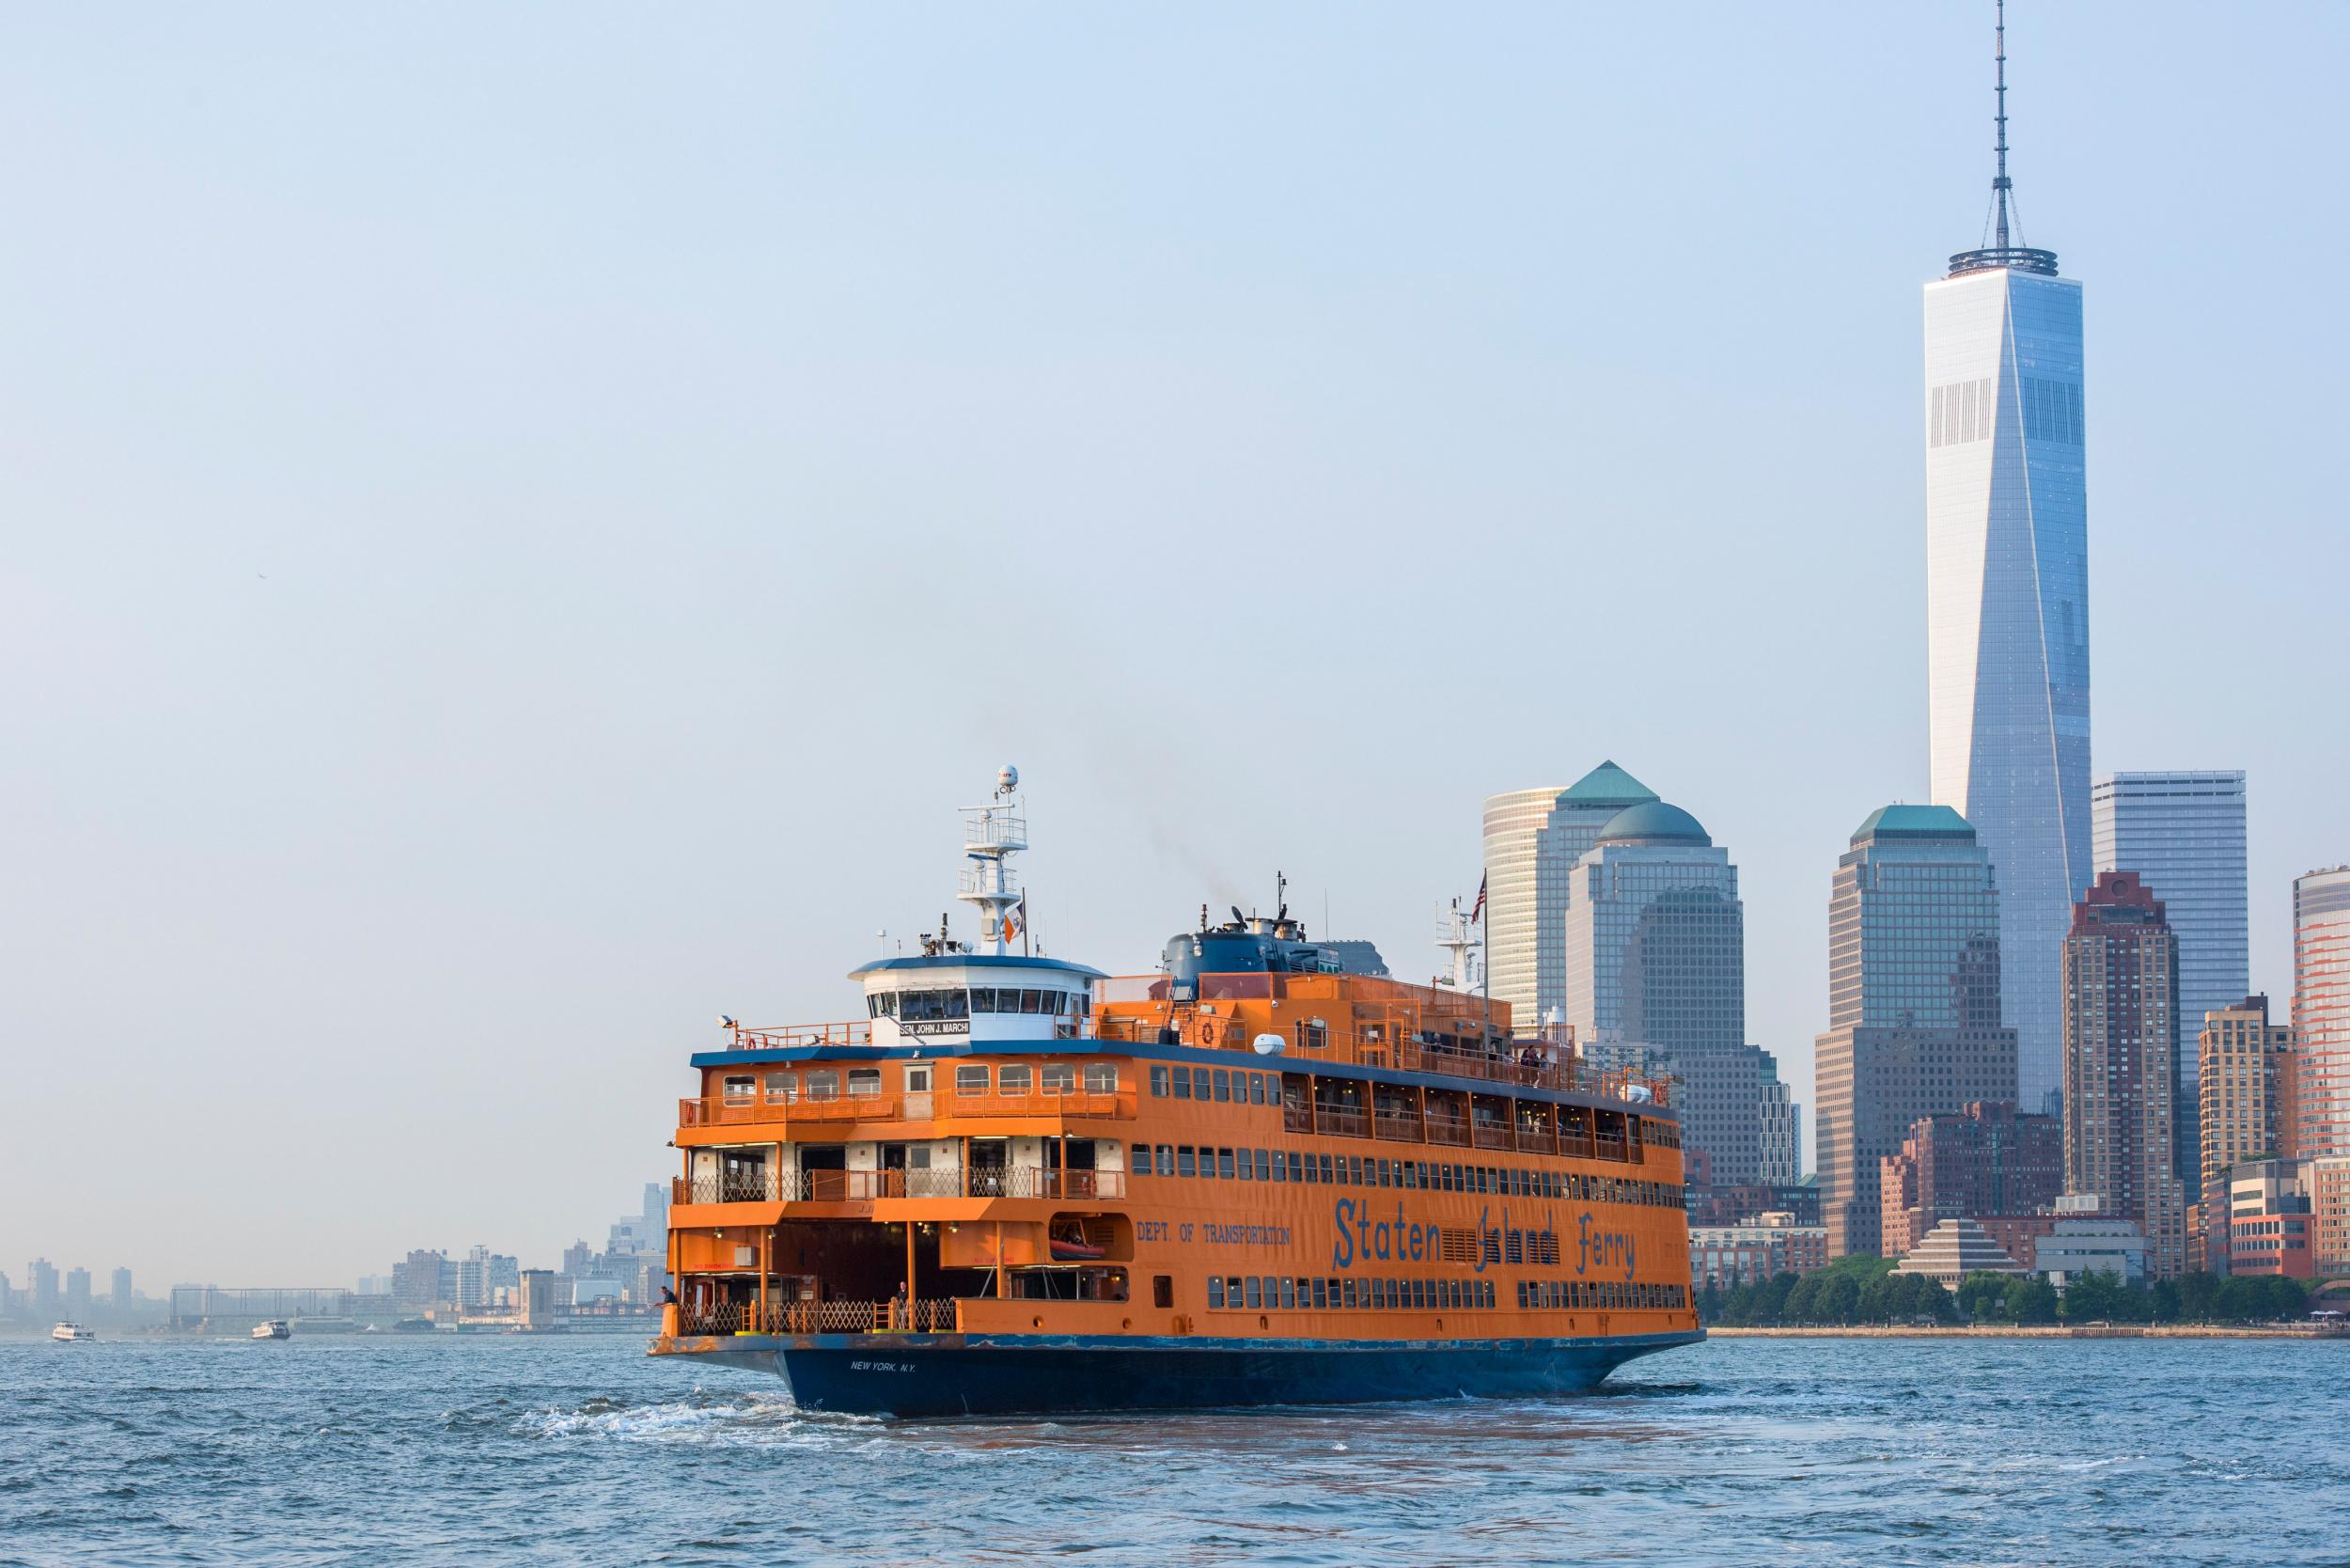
1258,1176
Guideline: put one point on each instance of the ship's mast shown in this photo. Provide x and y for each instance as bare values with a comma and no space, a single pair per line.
992,835
1455,935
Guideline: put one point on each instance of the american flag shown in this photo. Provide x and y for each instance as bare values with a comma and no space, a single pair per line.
1478,908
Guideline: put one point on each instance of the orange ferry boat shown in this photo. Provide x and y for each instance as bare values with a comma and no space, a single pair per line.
1018,1184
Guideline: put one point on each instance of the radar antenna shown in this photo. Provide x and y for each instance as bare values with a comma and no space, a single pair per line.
992,835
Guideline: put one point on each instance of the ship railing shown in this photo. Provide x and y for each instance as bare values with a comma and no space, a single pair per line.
1342,1122
922,1316
1452,1130
1493,1134
724,1110
853,1032
1399,1126
1296,1119
1111,1105
866,1187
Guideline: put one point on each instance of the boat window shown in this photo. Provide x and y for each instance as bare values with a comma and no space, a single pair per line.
1030,1001
1182,1083
1184,1166
1162,1289
864,1081
1013,1077
1280,1165
1223,1084
1056,1077
1101,1078
1246,1165
1224,1164
918,1156
1350,1293
1158,1082
1289,1292
1166,1159
823,1084
971,1078
782,1089
738,1090
1215,1291
1323,1160
982,999
1255,1293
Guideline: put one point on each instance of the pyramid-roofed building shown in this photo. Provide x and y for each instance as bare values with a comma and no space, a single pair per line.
1955,1249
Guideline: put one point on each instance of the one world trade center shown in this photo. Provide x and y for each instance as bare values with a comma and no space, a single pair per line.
2007,589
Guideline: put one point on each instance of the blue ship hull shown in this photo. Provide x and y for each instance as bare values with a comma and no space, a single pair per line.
957,1375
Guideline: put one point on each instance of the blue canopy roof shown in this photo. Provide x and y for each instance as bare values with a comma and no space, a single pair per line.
976,960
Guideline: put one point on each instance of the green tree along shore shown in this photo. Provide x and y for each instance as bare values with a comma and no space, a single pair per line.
1863,1289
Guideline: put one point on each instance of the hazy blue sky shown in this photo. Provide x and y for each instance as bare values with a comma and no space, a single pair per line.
522,524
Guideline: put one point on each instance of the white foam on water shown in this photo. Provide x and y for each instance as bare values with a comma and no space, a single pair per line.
740,1420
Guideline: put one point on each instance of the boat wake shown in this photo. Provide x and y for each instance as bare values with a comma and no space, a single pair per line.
741,1419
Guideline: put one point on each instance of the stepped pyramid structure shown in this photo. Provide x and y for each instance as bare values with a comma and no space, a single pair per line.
1955,1249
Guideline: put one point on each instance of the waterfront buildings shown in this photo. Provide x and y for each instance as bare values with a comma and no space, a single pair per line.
2320,1013
40,1287
2120,1010
1773,1242
1655,977
1953,1250
1781,1163
2007,597
2183,833
2245,1078
77,1298
1985,1160
1534,839
423,1279
121,1290
486,1280
2270,1227
2084,1241
2329,1212
1914,1000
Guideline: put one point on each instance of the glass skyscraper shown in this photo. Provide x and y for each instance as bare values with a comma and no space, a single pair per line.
1656,978
1914,987
2183,833
2007,611
2321,1011
1534,838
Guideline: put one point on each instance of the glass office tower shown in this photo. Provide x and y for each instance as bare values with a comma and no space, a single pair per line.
2183,833
2007,602
2321,1011
1914,1002
1534,838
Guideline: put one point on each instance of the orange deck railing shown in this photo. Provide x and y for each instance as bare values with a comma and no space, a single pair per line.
721,1110
866,1187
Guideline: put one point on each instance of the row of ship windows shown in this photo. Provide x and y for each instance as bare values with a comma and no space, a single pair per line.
1264,1088
1277,1292
934,1003
971,1078
1277,1164
1217,1083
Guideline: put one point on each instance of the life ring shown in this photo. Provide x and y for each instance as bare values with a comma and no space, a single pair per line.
1207,1032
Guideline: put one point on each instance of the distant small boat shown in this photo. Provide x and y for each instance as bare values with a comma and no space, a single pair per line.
275,1328
70,1332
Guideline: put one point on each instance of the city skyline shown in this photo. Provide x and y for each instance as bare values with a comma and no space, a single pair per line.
446,655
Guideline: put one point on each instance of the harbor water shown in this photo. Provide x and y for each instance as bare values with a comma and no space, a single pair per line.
582,1450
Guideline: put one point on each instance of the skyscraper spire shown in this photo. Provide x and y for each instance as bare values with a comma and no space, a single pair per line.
1999,182
2006,248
